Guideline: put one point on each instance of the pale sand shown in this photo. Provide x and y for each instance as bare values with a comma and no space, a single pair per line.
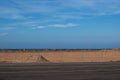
59,56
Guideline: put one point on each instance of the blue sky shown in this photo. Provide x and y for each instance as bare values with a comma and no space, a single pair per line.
59,24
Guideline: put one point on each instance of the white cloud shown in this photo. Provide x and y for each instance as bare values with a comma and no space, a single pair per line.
39,27
68,25
63,25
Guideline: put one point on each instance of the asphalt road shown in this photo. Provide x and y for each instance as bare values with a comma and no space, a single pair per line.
60,71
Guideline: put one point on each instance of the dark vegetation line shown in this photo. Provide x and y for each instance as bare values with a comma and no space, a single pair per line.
56,49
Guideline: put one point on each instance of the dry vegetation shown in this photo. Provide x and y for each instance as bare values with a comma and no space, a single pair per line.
41,56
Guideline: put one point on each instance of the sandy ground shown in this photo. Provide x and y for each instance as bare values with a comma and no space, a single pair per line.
59,56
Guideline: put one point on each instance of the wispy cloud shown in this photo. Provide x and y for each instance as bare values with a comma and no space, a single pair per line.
68,25
39,27
64,25
10,13
34,12
6,28
57,7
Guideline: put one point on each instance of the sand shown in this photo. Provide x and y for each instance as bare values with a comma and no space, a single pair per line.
59,56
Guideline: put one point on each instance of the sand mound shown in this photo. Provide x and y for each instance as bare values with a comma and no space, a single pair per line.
42,59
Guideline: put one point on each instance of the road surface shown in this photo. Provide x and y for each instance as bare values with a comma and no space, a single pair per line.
60,71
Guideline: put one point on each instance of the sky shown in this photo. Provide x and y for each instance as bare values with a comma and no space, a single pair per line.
59,24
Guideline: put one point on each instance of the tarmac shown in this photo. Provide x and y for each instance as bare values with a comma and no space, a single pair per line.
60,71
